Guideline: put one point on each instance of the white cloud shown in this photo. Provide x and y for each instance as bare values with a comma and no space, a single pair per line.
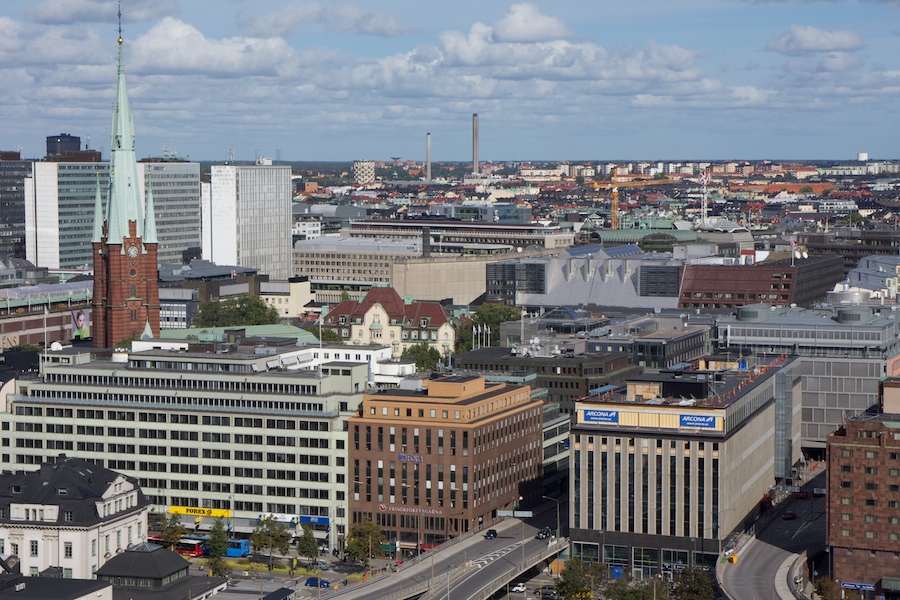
344,19
525,23
800,39
174,47
838,62
98,11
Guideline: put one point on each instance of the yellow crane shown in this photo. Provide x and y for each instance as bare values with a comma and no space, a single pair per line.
614,208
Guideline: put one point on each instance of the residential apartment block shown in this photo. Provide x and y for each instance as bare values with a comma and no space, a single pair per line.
863,514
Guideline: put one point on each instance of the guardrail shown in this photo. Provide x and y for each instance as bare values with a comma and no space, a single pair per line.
792,573
419,588
491,587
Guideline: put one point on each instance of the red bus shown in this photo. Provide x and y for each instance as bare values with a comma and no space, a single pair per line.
156,539
190,547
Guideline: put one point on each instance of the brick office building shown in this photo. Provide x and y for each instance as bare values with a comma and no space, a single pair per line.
863,527
436,462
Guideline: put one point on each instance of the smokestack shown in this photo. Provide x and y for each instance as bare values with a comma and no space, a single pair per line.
475,143
427,157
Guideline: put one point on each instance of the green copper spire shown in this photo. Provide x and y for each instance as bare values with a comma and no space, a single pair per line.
124,193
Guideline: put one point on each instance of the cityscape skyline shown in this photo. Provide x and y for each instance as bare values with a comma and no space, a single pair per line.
298,81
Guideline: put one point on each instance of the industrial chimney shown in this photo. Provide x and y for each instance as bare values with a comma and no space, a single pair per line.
475,143
427,157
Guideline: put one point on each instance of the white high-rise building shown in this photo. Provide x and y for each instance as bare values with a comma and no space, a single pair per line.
247,218
59,209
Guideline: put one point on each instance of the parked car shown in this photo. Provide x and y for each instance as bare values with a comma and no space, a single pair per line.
519,587
317,582
547,591
789,516
490,534
801,495
544,533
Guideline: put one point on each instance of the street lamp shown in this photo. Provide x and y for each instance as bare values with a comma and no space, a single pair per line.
449,571
231,513
558,536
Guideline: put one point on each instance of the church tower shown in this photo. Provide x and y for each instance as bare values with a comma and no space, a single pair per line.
126,282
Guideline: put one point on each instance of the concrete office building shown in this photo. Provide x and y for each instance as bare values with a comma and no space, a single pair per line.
567,376
439,461
12,201
863,527
176,197
659,483
846,351
59,210
239,427
247,218
70,513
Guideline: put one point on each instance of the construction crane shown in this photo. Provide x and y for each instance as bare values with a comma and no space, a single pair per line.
614,208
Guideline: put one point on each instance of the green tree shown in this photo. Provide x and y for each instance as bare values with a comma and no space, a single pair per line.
172,531
693,584
626,588
424,355
329,335
574,581
491,315
245,309
363,541
307,545
270,535
218,566
217,542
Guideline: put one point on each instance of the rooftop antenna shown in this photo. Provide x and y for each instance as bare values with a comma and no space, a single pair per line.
231,155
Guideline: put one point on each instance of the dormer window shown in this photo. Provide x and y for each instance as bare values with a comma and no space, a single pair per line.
17,489
342,319
62,491
423,322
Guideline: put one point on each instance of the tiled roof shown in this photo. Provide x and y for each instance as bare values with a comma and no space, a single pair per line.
393,305
73,484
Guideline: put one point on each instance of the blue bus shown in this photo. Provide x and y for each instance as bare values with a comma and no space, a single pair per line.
238,548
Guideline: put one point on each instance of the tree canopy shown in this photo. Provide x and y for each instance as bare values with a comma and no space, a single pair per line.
426,357
307,545
244,309
217,547
172,531
486,316
694,583
363,541
328,335
271,535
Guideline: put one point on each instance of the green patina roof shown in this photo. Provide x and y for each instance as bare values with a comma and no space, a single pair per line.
217,333
633,236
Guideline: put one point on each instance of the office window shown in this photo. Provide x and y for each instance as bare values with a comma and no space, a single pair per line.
845,517
67,552
846,501
67,573
34,547
93,547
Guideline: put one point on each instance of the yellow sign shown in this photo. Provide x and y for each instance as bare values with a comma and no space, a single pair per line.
200,512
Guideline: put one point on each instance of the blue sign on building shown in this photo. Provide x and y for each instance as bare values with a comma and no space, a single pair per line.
314,520
616,572
852,585
705,421
601,416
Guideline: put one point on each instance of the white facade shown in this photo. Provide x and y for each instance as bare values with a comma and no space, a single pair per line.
247,218
363,171
59,210
36,538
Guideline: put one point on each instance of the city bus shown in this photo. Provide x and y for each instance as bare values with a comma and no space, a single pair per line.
156,539
190,547
238,548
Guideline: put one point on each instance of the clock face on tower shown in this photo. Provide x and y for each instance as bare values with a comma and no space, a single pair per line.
133,251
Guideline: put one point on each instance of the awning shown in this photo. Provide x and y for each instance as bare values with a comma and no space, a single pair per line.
890,582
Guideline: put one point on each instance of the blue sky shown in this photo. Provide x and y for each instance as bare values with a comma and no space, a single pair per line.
550,80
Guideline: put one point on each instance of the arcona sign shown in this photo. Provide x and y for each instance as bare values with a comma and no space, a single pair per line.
200,512
601,416
413,458
707,422
852,585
